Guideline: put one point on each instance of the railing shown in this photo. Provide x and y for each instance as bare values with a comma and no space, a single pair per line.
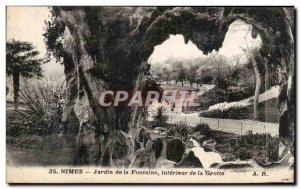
236,126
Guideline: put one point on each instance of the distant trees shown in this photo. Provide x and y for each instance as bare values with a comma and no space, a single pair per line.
181,76
191,76
21,60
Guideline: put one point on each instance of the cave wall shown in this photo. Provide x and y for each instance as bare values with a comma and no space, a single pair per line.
104,47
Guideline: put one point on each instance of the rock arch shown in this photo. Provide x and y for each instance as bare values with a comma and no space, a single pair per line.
104,47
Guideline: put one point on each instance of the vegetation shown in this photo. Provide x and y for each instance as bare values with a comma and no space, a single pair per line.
180,130
41,105
21,60
53,36
203,129
261,147
253,145
160,118
230,94
230,113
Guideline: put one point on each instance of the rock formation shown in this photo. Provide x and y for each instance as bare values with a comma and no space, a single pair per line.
104,47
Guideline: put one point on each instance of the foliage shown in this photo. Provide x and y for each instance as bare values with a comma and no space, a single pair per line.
53,36
149,83
21,59
211,97
204,129
33,150
255,146
182,130
230,94
230,113
206,79
160,118
41,104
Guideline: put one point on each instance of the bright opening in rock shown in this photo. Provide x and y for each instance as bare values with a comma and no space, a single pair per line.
227,73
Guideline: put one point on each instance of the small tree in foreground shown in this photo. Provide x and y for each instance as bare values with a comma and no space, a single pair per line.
21,60
160,118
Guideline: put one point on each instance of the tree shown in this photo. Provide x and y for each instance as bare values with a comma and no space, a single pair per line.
257,78
21,60
192,73
181,76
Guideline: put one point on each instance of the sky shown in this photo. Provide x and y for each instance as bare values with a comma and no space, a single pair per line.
27,24
232,46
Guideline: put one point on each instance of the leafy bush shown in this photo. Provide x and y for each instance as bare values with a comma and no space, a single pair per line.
244,153
239,93
229,94
211,97
171,131
204,129
41,104
230,113
182,130
262,147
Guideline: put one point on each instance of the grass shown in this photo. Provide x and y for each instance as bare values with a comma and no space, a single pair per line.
32,150
34,131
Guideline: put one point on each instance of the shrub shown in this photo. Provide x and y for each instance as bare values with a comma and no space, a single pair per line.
219,95
182,130
256,146
211,97
41,104
171,131
244,153
232,142
230,113
204,129
160,118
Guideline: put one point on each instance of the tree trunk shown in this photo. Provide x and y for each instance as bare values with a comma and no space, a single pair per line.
257,89
257,79
267,87
16,84
267,74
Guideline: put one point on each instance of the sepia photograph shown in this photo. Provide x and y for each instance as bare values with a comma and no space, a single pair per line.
150,94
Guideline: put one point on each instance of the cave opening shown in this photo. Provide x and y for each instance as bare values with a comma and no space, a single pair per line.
208,31
181,65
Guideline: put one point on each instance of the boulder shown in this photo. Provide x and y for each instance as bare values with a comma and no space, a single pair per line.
209,145
235,166
228,157
197,136
122,146
214,165
190,161
175,149
146,157
189,144
160,131
143,158
143,136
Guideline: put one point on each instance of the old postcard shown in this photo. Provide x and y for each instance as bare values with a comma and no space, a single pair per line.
150,94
